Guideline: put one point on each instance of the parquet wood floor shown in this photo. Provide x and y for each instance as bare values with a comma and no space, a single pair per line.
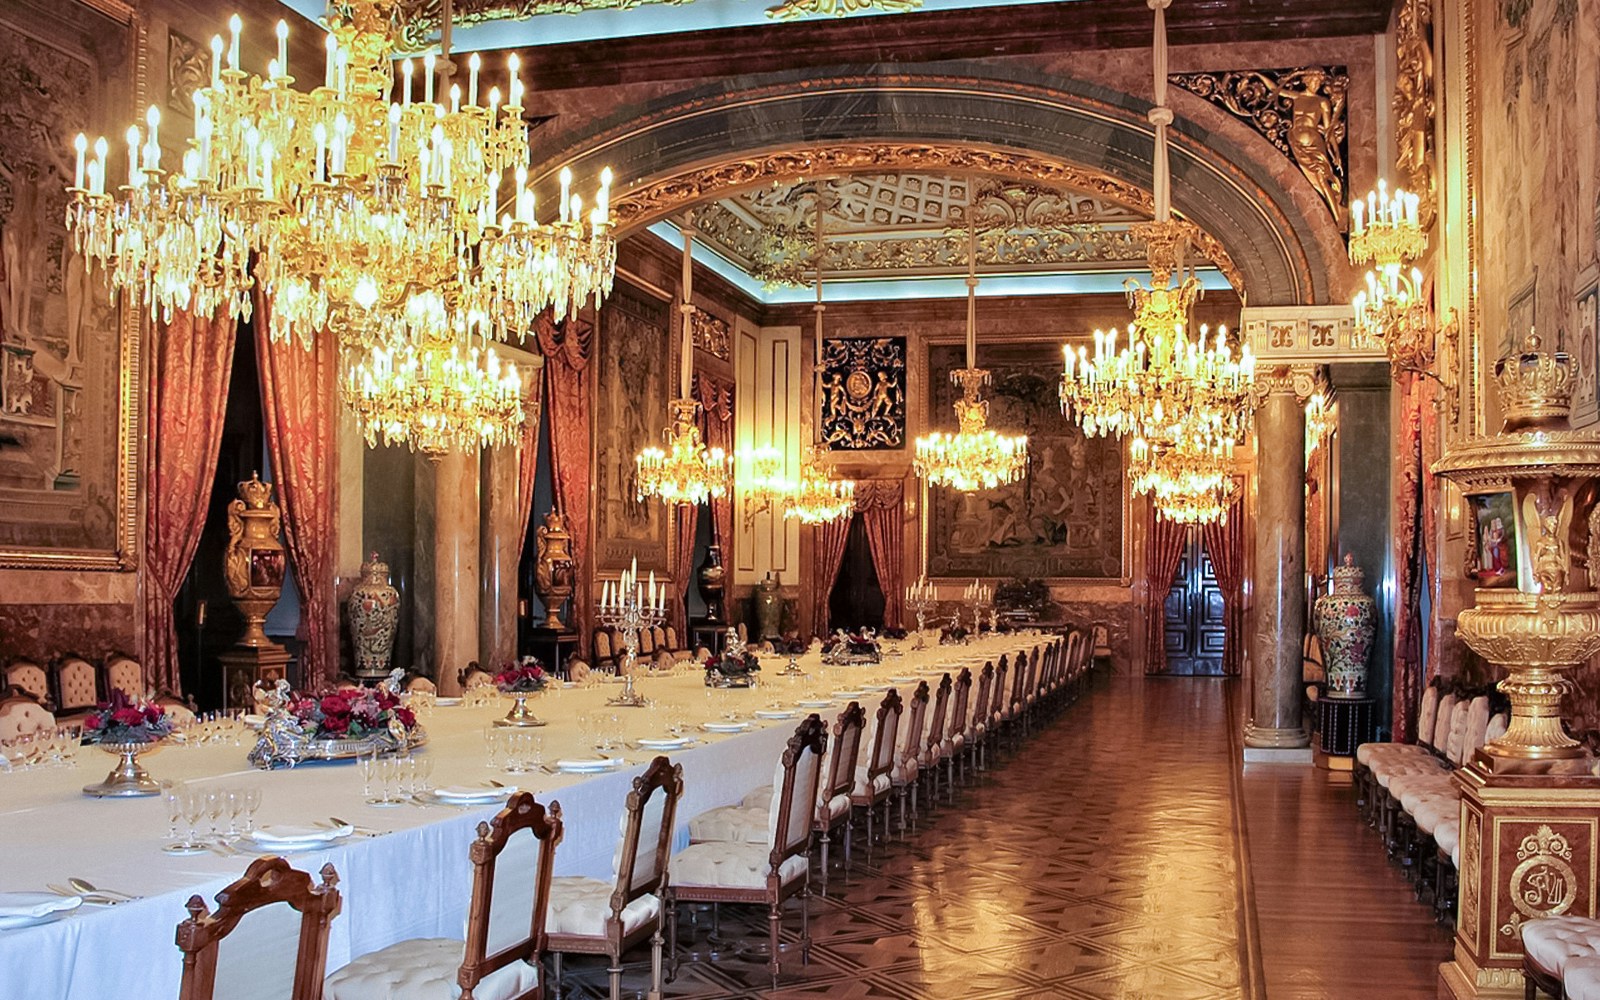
1094,866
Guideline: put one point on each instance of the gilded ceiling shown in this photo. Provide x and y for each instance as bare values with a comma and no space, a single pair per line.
916,225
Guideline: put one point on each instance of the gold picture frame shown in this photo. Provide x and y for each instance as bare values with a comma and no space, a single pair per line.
86,476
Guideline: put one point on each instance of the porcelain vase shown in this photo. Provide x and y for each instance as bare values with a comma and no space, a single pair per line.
1346,619
374,615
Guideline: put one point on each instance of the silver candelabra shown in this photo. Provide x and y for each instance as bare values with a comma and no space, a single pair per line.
630,610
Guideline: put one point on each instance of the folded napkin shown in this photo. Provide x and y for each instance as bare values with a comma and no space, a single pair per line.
33,905
292,833
475,792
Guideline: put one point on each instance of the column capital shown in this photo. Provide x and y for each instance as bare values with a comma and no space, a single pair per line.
1302,381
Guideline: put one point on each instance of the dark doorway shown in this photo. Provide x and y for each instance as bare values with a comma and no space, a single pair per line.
1194,621
857,600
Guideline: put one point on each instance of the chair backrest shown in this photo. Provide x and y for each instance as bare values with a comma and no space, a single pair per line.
794,786
1019,675
28,676
1002,676
602,644
422,684
647,641
505,920
648,821
941,706
885,727
910,741
1102,641
660,635
124,673
1439,739
1030,685
76,684
474,676
1428,711
744,633
672,638
1466,730
980,709
21,714
958,702
269,881
843,751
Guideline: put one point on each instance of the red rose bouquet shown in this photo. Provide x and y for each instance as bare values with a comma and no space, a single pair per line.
349,713
521,678
124,720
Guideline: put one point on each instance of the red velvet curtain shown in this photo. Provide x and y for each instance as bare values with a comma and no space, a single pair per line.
1225,544
299,404
715,396
829,539
685,524
1411,529
881,504
528,458
190,365
1164,544
567,348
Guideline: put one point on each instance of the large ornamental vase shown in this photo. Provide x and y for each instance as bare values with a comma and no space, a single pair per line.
555,572
1346,619
253,563
374,614
769,607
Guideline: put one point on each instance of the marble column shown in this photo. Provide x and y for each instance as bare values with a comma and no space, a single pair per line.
499,551
1278,584
454,546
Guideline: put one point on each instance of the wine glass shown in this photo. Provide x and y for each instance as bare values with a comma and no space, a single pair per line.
252,802
216,805
492,746
424,772
194,807
172,798
235,807
369,765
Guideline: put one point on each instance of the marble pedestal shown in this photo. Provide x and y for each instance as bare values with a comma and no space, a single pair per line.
1528,849
243,666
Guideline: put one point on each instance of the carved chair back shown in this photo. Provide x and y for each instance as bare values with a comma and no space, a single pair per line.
795,802
980,708
76,684
941,706
648,821
880,757
958,703
124,673
22,714
910,741
513,858
1002,676
840,765
28,676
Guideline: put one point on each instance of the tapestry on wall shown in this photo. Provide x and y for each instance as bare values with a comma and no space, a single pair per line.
863,392
630,414
68,361
1065,517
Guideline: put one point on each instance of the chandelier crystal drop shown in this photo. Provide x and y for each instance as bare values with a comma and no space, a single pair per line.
433,394
685,471
351,195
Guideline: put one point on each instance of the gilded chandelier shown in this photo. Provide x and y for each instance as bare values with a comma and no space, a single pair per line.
686,471
817,498
1188,481
1391,308
351,196
975,457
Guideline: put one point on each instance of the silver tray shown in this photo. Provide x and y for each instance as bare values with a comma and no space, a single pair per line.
285,749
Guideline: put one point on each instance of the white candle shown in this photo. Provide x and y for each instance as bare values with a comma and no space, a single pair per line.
603,204
473,64
283,47
98,174
427,78
216,62
234,24
446,154
514,66
455,98
566,187
133,156
332,46
81,145
405,69
341,69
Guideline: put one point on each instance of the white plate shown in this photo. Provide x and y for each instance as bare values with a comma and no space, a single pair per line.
473,793
775,713
725,727
26,909
815,702
447,702
667,743
289,836
904,680
589,765
848,694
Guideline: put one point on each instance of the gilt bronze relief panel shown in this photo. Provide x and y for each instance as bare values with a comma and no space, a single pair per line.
863,393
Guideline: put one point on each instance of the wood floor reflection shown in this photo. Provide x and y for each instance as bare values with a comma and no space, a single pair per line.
1104,862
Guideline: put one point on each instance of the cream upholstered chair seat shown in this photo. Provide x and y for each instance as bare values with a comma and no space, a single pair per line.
1581,981
424,970
1448,836
1552,942
732,866
882,783
739,824
1434,808
1411,789
582,906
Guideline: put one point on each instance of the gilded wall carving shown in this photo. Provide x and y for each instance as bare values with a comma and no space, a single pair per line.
863,387
68,356
630,413
1414,105
188,69
711,334
1065,517
1301,111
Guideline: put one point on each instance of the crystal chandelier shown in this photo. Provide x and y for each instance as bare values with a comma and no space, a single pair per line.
1391,308
351,197
1190,480
819,498
430,393
686,471
975,457
761,481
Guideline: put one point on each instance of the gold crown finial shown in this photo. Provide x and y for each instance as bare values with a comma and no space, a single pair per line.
1535,386
255,494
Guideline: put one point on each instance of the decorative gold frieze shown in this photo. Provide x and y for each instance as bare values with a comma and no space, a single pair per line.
711,334
1307,333
1301,111
789,10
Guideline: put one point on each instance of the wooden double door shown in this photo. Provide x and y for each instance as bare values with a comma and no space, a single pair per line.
1195,625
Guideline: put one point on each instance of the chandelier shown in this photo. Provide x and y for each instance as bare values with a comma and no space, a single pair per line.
1189,480
1391,308
430,393
761,481
818,498
975,457
351,196
686,471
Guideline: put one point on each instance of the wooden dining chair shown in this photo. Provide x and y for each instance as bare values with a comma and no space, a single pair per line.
954,746
873,784
838,780
75,686
908,751
589,916
978,723
513,858
762,874
268,882
933,747
122,672
27,676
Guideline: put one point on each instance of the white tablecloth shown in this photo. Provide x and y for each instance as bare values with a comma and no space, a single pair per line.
412,882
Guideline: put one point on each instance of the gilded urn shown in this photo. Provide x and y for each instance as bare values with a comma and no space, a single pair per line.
554,570
253,562
1534,536
374,608
1346,619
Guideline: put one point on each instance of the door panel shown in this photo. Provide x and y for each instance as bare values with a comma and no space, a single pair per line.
1195,623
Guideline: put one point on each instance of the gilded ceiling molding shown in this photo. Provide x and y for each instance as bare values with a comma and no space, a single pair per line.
789,10
1303,112
1415,106
667,196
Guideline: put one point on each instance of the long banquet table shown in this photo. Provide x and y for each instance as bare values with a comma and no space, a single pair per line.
414,879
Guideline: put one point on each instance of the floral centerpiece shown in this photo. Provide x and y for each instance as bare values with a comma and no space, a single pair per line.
519,680
735,666
334,723
125,727
853,648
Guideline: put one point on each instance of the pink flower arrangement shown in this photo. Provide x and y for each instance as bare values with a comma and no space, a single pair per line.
521,678
124,720
349,712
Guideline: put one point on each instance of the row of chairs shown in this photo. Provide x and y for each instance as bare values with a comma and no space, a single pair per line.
519,913
653,642
1406,793
71,683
